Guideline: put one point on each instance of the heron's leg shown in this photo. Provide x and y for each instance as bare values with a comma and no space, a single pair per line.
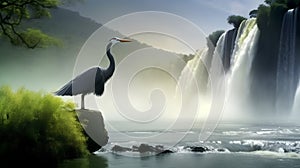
82,101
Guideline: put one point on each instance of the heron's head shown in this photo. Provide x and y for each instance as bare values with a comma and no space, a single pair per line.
117,40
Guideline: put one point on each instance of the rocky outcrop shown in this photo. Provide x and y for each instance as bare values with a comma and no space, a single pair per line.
142,149
93,124
118,148
196,149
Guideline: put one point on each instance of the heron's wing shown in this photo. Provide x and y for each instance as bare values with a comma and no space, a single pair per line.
66,90
84,83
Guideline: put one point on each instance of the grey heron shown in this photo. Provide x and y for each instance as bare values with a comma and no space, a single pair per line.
93,79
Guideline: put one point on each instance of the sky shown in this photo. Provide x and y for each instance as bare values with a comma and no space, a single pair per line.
207,16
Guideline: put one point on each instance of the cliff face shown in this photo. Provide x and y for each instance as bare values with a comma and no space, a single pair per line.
93,124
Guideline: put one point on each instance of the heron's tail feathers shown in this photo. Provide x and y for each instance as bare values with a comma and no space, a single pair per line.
66,90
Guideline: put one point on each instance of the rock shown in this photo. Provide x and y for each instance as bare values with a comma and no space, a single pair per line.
198,149
118,148
166,151
159,149
146,148
135,148
257,147
93,124
221,150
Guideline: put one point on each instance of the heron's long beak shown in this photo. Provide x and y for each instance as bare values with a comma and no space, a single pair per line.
124,40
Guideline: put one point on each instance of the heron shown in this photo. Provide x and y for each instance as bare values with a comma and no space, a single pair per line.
93,79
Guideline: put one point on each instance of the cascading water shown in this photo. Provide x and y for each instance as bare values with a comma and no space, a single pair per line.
241,58
230,38
239,74
218,54
241,51
287,75
243,31
194,69
296,104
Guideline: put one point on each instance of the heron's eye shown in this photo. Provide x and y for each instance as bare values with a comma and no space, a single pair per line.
114,38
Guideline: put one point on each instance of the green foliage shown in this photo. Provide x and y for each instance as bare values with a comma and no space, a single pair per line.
35,36
263,16
289,3
12,15
271,14
253,13
38,128
214,36
235,20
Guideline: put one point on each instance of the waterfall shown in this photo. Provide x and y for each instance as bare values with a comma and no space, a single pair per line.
194,69
238,77
236,49
203,63
218,53
296,104
243,31
195,79
287,75
229,44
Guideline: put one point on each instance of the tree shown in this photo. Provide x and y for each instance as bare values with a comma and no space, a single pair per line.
253,13
214,37
290,3
235,20
14,12
263,16
269,2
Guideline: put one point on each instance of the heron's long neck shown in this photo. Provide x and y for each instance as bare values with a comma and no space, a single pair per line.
111,68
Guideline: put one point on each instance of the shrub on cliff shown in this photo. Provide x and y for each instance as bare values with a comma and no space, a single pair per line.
214,37
36,127
235,20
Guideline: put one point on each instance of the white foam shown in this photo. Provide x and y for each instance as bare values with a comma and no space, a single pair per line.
235,133
235,142
272,154
265,132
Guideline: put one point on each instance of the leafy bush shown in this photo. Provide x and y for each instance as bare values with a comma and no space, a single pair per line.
38,128
214,36
274,10
263,17
235,20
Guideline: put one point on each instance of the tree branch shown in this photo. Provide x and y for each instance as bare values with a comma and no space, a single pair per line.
13,12
22,39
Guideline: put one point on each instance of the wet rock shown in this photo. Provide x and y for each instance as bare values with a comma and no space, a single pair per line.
221,150
166,151
135,148
94,128
118,148
146,148
198,149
